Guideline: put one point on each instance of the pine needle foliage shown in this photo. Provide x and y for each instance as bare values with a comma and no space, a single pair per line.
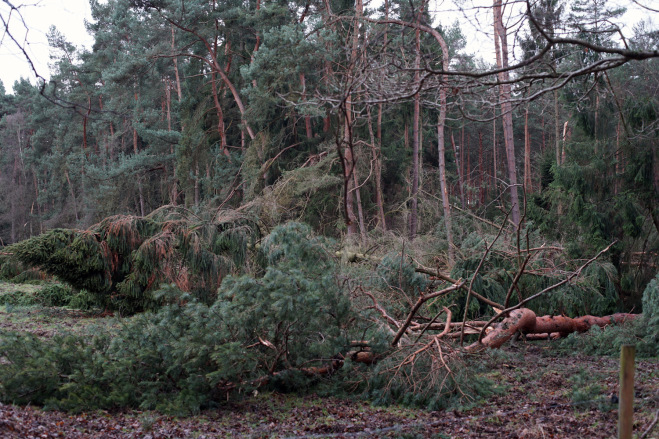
51,294
399,283
308,193
188,355
123,259
594,292
297,314
427,383
651,311
13,271
642,332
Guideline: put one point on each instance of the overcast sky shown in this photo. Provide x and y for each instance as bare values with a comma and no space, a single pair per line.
69,16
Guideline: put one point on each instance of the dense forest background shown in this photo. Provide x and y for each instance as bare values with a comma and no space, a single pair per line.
365,123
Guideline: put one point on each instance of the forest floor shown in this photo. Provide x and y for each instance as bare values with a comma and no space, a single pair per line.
545,394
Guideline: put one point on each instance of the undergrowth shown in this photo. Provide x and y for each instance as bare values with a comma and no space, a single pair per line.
428,383
265,331
51,294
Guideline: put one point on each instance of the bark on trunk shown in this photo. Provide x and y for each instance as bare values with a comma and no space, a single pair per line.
220,113
443,185
348,153
178,78
528,185
557,129
460,174
506,109
481,170
307,118
376,149
525,321
139,179
414,217
495,182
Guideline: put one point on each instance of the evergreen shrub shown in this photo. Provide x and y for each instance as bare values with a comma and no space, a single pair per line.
595,291
399,283
651,311
17,297
11,270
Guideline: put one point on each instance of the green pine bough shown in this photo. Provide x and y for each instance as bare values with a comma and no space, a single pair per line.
123,259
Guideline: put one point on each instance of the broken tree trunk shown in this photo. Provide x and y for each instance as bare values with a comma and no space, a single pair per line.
525,321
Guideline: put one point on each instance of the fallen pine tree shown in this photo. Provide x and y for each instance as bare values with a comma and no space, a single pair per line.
124,259
290,324
524,321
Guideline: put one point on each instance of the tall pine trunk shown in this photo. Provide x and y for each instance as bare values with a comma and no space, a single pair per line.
139,178
528,185
458,162
376,156
414,214
501,47
441,120
481,170
348,152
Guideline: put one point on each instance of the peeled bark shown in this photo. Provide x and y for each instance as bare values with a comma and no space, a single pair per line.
525,321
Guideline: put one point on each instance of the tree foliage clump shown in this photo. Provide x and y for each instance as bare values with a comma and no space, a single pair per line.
642,332
13,271
596,292
274,329
428,382
296,315
651,310
398,283
123,259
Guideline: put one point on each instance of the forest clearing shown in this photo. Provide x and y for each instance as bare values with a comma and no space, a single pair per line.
336,218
